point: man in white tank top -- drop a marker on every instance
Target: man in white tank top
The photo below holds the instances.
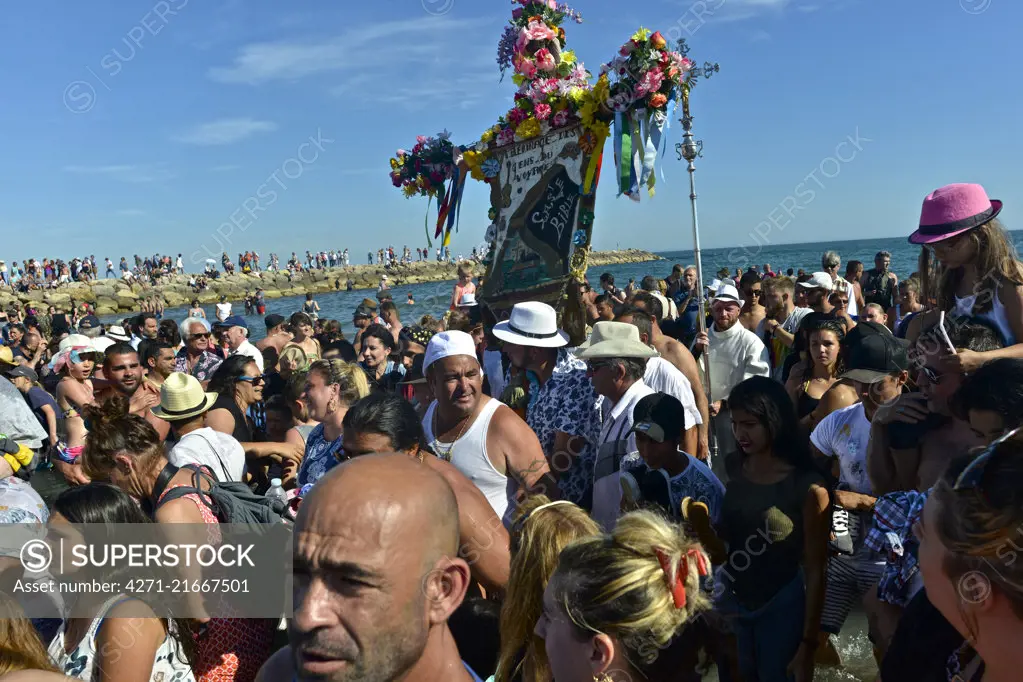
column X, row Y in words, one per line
column 483, row 438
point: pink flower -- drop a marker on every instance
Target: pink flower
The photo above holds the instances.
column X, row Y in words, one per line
column 402, row 152
column 553, row 4
column 524, row 66
column 560, row 118
column 651, row 81
column 545, row 60
column 537, row 30
column 421, row 139
column 506, row 136
column 542, row 111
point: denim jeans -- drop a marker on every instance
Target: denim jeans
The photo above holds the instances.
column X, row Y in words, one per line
column 768, row 637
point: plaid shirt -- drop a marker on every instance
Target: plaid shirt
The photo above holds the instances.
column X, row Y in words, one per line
column 892, row 534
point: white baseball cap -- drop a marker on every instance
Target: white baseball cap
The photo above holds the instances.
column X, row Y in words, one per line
column 447, row 344
column 819, row 280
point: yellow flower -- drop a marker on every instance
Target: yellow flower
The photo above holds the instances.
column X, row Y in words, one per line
column 477, row 173
column 518, row 79
column 487, row 136
column 588, row 111
column 471, row 157
column 409, row 190
column 394, row 164
column 641, row 35
column 602, row 89
column 568, row 57
column 576, row 95
column 528, row 128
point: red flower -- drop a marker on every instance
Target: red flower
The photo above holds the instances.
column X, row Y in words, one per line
column 657, row 100
column 657, row 41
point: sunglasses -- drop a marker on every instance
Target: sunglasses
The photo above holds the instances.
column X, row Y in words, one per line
column 204, row 335
column 252, row 380
column 972, row 475
column 931, row 374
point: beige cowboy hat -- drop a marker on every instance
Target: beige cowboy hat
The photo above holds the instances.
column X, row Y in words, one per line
column 182, row 397
column 614, row 340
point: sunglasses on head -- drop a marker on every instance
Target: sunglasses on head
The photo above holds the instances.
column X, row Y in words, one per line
column 972, row 475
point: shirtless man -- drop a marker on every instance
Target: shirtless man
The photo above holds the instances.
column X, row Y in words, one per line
column 123, row 372
column 277, row 334
column 753, row 310
column 677, row 354
column 479, row 435
column 374, row 586
column 913, row 438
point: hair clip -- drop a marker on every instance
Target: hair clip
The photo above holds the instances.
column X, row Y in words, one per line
column 673, row 576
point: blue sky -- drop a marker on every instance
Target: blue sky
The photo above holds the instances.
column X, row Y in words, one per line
column 139, row 126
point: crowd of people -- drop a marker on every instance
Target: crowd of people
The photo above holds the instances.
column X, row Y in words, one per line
column 664, row 494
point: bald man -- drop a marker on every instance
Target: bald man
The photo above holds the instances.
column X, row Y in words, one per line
column 377, row 576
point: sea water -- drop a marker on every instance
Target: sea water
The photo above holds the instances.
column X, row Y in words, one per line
column 434, row 298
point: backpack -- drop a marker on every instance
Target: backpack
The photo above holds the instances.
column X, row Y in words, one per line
column 230, row 501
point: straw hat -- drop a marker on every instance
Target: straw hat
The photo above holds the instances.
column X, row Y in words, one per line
column 614, row 340
column 182, row 397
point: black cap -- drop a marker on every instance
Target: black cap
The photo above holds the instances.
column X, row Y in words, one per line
column 89, row 322
column 272, row 320
column 660, row 417
column 363, row 311
column 22, row 371
column 874, row 354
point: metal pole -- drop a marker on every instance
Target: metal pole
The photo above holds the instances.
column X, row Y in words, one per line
column 691, row 150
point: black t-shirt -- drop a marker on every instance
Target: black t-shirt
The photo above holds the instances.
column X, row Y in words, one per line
column 921, row 645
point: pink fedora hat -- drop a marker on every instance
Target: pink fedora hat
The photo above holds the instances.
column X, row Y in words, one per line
column 953, row 209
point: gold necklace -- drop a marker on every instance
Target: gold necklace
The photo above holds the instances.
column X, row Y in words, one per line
column 446, row 454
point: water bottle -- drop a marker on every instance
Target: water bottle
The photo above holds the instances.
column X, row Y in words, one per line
column 276, row 491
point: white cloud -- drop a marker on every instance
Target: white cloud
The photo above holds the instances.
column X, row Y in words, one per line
column 421, row 40
column 135, row 173
column 225, row 131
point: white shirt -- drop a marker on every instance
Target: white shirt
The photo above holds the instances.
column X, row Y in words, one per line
column 845, row 434
column 246, row 348
column 223, row 311
column 735, row 355
column 664, row 377
column 219, row 451
column 615, row 433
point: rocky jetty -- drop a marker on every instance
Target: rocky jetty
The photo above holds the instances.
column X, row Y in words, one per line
column 110, row 296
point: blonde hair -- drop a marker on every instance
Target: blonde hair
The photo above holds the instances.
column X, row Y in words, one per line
column 996, row 264
column 465, row 269
column 614, row 584
column 347, row 375
column 20, row 648
column 537, row 538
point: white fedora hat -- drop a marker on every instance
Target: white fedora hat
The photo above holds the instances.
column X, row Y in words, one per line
column 532, row 324
column 819, row 280
column 727, row 293
column 182, row 397
column 117, row 333
column 614, row 340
